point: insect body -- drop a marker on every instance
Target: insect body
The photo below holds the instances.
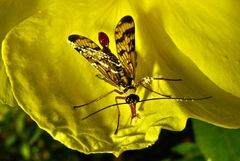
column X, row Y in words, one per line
column 118, row 71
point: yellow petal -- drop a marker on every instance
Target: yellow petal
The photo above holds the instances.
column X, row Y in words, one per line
column 205, row 35
column 11, row 13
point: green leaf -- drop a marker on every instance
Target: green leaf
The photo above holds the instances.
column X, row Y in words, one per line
column 25, row 151
column 10, row 140
column 20, row 123
column 217, row 144
column 36, row 136
column 3, row 110
column 185, row 148
column 189, row 152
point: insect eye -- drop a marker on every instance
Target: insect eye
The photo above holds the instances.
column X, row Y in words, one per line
column 103, row 39
column 132, row 98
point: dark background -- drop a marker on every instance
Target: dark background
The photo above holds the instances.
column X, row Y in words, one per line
column 21, row 140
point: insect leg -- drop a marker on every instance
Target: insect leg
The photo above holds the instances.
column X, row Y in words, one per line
column 105, row 79
column 97, row 99
column 166, row 79
column 148, row 87
column 146, row 83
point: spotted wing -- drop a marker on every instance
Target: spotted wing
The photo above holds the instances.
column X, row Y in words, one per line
column 125, row 44
column 104, row 61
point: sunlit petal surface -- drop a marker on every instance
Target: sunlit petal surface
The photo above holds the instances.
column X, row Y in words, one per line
column 13, row 12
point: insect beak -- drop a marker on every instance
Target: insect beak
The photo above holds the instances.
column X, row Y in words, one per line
column 133, row 111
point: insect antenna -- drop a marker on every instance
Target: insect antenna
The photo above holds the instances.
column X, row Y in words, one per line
column 150, row 99
column 176, row 98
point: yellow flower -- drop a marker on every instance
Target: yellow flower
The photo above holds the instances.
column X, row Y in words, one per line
column 194, row 41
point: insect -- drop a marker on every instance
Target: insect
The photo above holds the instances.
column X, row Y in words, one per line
column 118, row 71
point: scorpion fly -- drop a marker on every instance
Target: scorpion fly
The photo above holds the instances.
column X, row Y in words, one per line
column 118, row 71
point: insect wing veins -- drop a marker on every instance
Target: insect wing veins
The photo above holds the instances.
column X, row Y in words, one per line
column 103, row 60
column 125, row 44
